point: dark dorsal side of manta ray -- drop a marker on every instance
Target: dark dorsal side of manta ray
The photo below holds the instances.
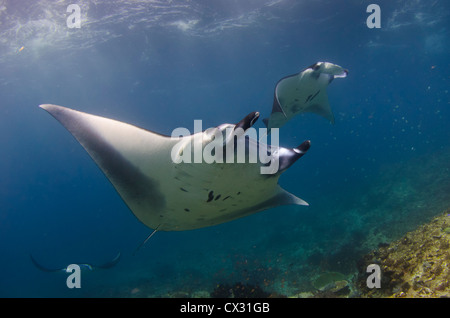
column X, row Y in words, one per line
column 304, row 92
column 90, row 267
column 170, row 196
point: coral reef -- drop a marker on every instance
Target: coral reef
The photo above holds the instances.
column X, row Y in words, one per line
column 239, row 290
column 416, row 265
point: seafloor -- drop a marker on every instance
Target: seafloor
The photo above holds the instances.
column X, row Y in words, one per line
column 416, row 265
column 399, row 220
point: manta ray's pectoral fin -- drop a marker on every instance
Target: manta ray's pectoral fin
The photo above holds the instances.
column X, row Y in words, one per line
column 276, row 106
column 109, row 264
column 286, row 198
column 277, row 111
column 43, row 268
column 320, row 106
column 122, row 152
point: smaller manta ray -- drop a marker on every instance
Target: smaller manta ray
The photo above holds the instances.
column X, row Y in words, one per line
column 89, row 267
column 304, row 92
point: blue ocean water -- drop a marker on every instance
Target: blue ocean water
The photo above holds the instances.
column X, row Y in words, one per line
column 379, row 171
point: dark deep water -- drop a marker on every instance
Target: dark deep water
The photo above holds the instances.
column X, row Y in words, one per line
column 380, row 171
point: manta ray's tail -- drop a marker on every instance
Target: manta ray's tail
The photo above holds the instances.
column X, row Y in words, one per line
column 145, row 241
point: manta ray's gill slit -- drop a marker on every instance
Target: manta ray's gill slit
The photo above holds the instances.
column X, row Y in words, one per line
column 227, row 197
column 217, row 197
column 314, row 95
column 184, row 190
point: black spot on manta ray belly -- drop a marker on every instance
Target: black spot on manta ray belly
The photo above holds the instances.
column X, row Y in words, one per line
column 210, row 196
column 187, row 210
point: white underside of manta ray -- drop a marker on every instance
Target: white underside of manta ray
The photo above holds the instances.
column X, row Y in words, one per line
column 170, row 196
column 304, row 92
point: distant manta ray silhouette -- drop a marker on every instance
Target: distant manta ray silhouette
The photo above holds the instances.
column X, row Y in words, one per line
column 89, row 267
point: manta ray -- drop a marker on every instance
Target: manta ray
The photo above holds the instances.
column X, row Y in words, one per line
column 304, row 92
column 86, row 266
column 169, row 194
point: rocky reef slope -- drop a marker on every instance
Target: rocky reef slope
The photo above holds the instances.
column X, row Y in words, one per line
column 416, row 265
